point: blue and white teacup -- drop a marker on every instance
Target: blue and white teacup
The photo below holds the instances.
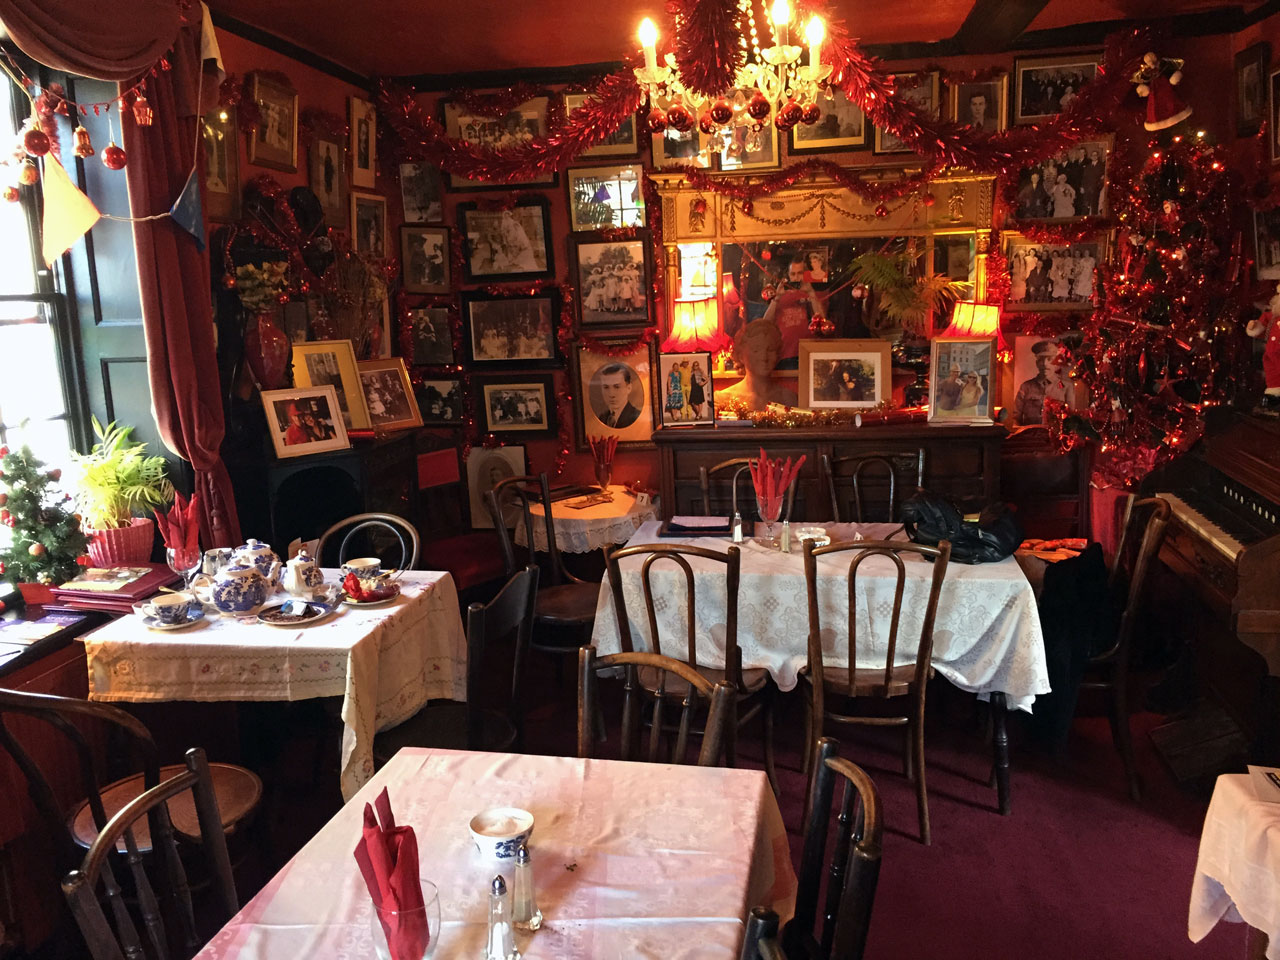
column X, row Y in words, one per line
column 365, row 568
column 168, row 608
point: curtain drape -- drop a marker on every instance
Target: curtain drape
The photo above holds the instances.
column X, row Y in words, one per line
column 102, row 39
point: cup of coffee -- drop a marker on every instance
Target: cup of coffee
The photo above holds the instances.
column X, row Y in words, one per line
column 168, row 608
column 365, row 568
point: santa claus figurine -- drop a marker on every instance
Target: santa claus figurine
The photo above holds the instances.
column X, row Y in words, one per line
column 1267, row 327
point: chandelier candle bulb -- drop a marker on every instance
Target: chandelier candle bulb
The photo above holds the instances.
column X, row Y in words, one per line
column 813, row 35
column 781, row 16
column 649, row 40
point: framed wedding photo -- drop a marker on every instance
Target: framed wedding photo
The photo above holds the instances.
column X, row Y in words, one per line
column 524, row 122
column 364, row 143
column 686, row 389
column 422, row 193
column 842, row 126
column 622, row 142
column 683, row 149
column 304, row 420
column 511, row 244
column 602, row 197
column 432, row 332
column 921, row 89
column 1052, row 276
column 388, row 394
column 332, row 363
column 275, row 143
column 613, row 278
column 614, row 395
column 511, row 331
column 1045, row 86
column 222, row 164
column 369, row 224
column 424, row 258
column 486, row 468
column 844, row 374
column 517, row 405
column 1251, row 88
column 961, row 379
column 441, row 403
column 981, row 105
column 1069, row 186
column 327, row 163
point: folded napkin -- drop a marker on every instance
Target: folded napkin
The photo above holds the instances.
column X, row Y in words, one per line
column 388, row 859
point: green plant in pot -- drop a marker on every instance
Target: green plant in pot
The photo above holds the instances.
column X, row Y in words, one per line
column 114, row 483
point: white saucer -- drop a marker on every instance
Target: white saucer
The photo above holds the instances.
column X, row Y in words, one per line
column 195, row 613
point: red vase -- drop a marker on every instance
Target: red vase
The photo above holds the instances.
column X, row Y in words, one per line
column 266, row 349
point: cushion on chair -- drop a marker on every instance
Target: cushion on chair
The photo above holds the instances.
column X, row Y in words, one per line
column 567, row 605
column 753, row 679
column 471, row 558
column 870, row 682
column 443, row 724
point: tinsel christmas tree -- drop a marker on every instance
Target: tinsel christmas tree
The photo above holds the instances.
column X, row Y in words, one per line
column 44, row 540
column 1167, row 339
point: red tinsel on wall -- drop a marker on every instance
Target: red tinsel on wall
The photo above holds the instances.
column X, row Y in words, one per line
column 497, row 105
column 707, row 48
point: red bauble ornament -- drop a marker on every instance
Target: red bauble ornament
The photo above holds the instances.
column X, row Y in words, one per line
column 747, row 206
column 84, row 147
column 784, row 120
column 657, row 120
column 55, row 474
column 28, row 173
column 706, row 124
column 721, row 111
column 36, row 549
column 758, row 107
column 928, row 199
column 812, row 114
column 700, row 206
column 36, row 142
column 11, row 193
column 113, row 157
column 679, row 118
column 882, row 211
column 142, row 112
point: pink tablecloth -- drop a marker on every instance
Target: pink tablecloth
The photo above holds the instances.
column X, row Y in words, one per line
column 666, row 861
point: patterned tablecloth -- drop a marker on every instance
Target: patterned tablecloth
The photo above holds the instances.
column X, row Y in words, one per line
column 591, row 528
column 385, row 662
column 630, row 860
column 986, row 637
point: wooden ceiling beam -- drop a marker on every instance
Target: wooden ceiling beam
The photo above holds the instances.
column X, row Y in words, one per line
column 993, row 26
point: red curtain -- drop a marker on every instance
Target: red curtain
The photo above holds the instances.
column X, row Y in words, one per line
column 173, row 274
column 103, row 39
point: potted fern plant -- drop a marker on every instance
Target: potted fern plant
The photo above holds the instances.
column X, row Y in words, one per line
column 114, row 483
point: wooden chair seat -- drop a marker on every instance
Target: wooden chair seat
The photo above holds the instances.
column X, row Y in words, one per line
column 753, row 680
column 870, row 683
column 443, row 725
column 567, row 605
column 238, row 791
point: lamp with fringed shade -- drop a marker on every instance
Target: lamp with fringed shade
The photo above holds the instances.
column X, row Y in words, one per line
column 970, row 319
column 695, row 326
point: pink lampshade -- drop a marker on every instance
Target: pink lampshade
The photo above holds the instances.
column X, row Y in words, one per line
column 970, row 319
column 695, row 325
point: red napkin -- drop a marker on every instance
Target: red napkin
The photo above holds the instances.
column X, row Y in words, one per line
column 181, row 528
column 388, row 858
column 771, row 479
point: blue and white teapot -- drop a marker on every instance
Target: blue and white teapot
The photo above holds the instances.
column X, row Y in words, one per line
column 238, row 590
column 258, row 554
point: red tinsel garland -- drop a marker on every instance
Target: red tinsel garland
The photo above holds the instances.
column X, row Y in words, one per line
column 496, row 105
column 707, row 48
column 314, row 122
column 752, row 188
column 233, row 92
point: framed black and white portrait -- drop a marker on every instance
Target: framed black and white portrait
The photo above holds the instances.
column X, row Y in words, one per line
column 486, row 468
column 422, row 193
column 673, row 148
column 1266, row 243
column 842, row 126
column 275, row 143
column 369, row 224
column 511, row 331
column 509, row 244
column 520, row 125
column 613, row 279
column 1052, row 276
column 921, row 89
column 388, row 394
column 981, row 105
column 364, row 142
column 432, row 332
column 1045, row 86
column 441, row 402
column 424, row 257
column 615, row 395
column 327, row 161
column 622, row 142
column 1068, row 186
column 518, row 405
column 1251, row 88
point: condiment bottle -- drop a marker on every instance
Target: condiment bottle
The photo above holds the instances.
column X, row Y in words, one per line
column 737, row 527
column 501, row 943
column 785, row 544
column 525, row 910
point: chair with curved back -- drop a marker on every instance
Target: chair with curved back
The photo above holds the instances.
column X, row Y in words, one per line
column 739, row 466
column 400, row 528
column 833, row 472
column 848, row 683
column 665, row 670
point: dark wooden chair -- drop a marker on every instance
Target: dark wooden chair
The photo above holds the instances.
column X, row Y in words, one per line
column 754, row 693
column 852, row 872
column 837, row 469
column 675, row 680
column 470, row 726
column 166, row 908
column 472, row 557
column 847, row 684
column 737, row 468
column 1142, row 532
column 386, row 523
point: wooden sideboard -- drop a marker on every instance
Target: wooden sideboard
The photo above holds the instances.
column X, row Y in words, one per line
column 961, row 463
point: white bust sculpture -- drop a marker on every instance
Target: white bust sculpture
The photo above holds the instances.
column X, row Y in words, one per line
column 755, row 352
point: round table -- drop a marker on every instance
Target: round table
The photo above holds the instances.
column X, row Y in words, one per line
column 590, row 528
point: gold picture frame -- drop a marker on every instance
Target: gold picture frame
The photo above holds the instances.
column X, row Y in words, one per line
column 318, row 363
column 388, row 394
column 844, row 374
column 295, row 416
column 962, row 380
column 275, row 143
column 991, row 115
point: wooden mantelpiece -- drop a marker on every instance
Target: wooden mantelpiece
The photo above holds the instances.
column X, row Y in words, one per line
column 961, row 463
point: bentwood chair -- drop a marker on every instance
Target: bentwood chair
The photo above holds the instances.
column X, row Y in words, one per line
column 674, row 680
column 446, row 724
column 1142, row 533
column 852, row 872
column 847, row 684
column 384, row 526
column 835, row 470
column 166, row 909
column 711, row 482
column 754, row 693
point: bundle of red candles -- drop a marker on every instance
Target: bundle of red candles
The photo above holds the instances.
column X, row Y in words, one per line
column 181, row 527
column 603, row 448
column 772, row 478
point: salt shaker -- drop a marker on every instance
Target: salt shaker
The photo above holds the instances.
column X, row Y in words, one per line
column 501, row 944
column 737, row 527
column 785, row 543
column 525, row 910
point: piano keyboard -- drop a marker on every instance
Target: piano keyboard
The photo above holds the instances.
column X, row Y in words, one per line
column 1194, row 520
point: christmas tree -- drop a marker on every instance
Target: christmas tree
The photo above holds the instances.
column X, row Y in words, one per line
column 44, row 538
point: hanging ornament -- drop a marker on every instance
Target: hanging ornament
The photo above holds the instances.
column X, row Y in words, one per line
column 747, row 207
column 679, row 118
column 36, row 549
column 84, row 146
column 35, row 142
column 11, row 193
column 928, row 199
column 657, row 120
column 789, row 114
column 142, row 112
column 882, row 211
column 721, row 111
column 758, row 107
column 1155, row 81
column 28, row 173
column 812, row 114
column 705, row 123
column 113, row 156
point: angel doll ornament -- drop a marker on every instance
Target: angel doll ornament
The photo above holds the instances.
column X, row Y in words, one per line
column 1267, row 328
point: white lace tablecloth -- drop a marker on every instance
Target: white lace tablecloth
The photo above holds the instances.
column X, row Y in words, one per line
column 630, row 860
column 385, row 662
column 591, row 528
column 1238, row 869
column 986, row 636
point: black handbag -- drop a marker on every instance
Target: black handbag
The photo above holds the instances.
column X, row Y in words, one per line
column 929, row 519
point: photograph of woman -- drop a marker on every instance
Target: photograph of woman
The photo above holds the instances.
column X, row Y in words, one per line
column 687, row 386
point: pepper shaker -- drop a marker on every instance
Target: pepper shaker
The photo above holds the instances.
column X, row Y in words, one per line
column 785, row 544
column 501, row 942
column 525, row 910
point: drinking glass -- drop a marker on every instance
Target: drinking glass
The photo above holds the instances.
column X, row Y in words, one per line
column 415, row 930
column 185, row 562
column 604, row 475
column 770, row 511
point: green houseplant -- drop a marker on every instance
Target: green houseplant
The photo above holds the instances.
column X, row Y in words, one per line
column 114, row 482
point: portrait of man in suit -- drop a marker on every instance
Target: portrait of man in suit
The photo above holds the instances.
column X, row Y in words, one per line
column 614, row 383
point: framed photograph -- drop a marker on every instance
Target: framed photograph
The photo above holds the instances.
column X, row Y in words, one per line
column 369, row 224
column 364, row 142
column 1273, row 108
column 1266, row 243
column 520, row 125
column 623, row 142
column 422, row 193
column 1044, row 86
column 304, row 420
column 486, row 468
column 441, row 403
column 612, row 280
column 962, row 375
column 511, row 331
column 1052, row 276
column 327, row 161
column 615, row 395
column 844, row 374
column 1042, row 371
column 1251, row 88
column 751, row 150
column 332, row 363
column 512, row 244
column 1066, row 187
column 982, row 106
column 517, row 404
column 601, row 197
column 432, row 336
column 222, row 164
column 686, row 388
column 921, row 89
column 275, row 143
column 424, row 258
column 691, row 148
column 842, row 126
column 388, row 394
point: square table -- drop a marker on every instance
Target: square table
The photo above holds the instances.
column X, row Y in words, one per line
column 630, row 860
column 385, row 662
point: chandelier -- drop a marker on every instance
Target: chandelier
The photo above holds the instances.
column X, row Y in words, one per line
column 772, row 85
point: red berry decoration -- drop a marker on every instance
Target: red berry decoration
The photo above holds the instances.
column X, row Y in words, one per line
column 113, row 157
column 812, row 114
column 36, row 142
column 11, row 193
column 721, row 111
column 28, row 173
column 758, row 107
column 679, row 118
column 882, row 211
column 706, row 124
column 657, row 120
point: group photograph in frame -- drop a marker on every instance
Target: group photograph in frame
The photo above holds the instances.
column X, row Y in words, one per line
column 513, row 244
column 962, row 377
column 604, row 197
column 303, row 420
column 388, row 394
column 518, row 404
column 922, row 90
column 364, row 142
column 523, row 123
column 222, row 164
column 432, row 331
column 275, row 143
column 369, row 224
column 614, row 395
column 486, row 468
column 327, row 164
column 320, row 363
column 749, row 149
column 842, row 126
column 844, row 374
column 1068, row 186
column 421, row 193
column 1251, row 66
column 622, row 142
column 687, row 148
column 1045, row 86
column 424, row 258
column 981, row 105
column 612, row 278
column 441, row 403
column 519, row 331
column 1042, row 371
column 1052, row 276
column 686, row 388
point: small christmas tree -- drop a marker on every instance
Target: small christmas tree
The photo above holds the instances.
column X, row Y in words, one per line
column 44, row 537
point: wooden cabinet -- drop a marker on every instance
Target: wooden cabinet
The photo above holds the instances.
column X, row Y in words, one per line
column 1049, row 488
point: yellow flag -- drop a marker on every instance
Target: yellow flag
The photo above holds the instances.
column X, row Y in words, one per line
column 68, row 213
